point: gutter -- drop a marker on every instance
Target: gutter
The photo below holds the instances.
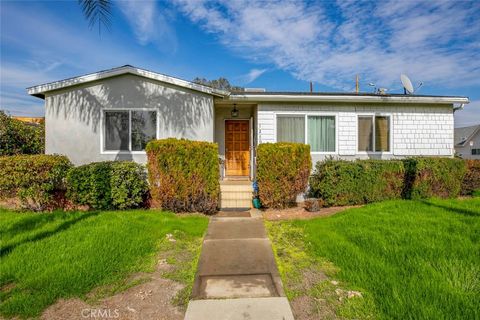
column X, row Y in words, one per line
column 343, row 98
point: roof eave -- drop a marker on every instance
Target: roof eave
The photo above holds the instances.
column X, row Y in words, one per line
column 343, row 98
column 40, row 90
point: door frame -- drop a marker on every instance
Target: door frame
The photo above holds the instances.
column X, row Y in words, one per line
column 250, row 147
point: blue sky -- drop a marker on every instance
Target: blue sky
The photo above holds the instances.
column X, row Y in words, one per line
column 278, row 45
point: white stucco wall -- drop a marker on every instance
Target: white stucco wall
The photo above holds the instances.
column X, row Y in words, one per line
column 417, row 130
column 74, row 116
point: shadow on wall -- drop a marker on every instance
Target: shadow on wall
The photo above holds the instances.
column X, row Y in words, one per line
column 182, row 111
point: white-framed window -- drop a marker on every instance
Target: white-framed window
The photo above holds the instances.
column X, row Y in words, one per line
column 374, row 133
column 317, row 130
column 128, row 130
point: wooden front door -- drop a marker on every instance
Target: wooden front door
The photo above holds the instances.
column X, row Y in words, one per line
column 237, row 148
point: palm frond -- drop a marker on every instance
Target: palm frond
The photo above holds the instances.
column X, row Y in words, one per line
column 97, row 11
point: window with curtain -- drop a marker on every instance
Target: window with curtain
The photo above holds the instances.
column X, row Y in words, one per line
column 382, row 133
column 365, row 133
column 291, row 128
column 374, row 133
column 129, row 130
column 321, row 133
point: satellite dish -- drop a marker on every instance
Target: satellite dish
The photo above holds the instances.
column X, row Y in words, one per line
column 407, row 84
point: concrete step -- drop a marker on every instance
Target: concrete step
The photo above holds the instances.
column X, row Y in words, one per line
column 237, row 286
column 236, row 187
column 236, row 195
column 272, row 308
column 225, row 204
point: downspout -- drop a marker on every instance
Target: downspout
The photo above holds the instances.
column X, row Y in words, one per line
column 460, row 107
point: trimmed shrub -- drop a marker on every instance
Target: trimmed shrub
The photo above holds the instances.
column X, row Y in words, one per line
column 471, row 180
column 108, row 185
column 341, row 182
column 282, row 172
column 34, row 179
column 184, row 175
column 433, row 177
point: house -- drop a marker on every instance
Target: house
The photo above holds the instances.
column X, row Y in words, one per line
column 30, row 120
column 467, row 142
column 112, row 114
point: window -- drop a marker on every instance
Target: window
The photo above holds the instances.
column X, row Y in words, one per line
column 374, row 133
column 291, row 128
column 475, row 152
column 316, row 130
column 321, row 133
column 129, row 130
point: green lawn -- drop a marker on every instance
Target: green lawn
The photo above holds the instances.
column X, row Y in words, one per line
column 47, row 256
column 410, row 259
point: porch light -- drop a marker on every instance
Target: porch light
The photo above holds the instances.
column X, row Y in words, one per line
column 234, row 111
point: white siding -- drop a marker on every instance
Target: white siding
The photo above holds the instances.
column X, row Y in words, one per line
column 424, row 130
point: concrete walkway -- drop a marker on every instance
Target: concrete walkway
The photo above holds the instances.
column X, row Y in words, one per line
column 237, row 277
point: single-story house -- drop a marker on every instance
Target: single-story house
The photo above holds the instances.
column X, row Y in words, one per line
column 112, row 114
column 467, row 142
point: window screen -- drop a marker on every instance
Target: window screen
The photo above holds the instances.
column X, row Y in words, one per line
column 116, row 130
column 291, row 129
column 321, row 133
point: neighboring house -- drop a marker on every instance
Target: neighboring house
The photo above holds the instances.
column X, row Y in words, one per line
column 467, row 142
column 112, row 114
column 30, row 120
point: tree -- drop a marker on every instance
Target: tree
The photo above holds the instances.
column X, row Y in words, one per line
column 97, row 11
column 220, row 83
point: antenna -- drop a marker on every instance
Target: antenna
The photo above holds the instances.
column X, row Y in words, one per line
column 419, row 86
column 407, row 84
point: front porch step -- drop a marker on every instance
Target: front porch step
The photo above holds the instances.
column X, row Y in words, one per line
column 235, row 194
column 232, row 204
column 236, row 187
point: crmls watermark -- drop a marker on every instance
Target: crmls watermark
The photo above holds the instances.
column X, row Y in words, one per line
column 100, row 313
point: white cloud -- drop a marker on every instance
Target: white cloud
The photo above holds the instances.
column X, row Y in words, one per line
column 252, row 75
column 435, row 42
column 149, row 24
column 469, row 116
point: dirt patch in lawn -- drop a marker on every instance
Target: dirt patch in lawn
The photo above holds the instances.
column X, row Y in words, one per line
column 300, row 213
column 152, row 299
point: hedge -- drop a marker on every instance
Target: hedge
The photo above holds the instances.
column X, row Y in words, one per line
column 34, row 179
column 471, row 180
column 282, row 172
column 184, row 175
column 18, row 137
column 341, row 182
column 108, row 185
column 433, row 177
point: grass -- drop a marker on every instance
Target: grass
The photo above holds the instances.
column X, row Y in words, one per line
column 409, row 259
column 47, row 256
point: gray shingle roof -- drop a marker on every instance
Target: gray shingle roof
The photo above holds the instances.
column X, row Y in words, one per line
column 463, row 135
